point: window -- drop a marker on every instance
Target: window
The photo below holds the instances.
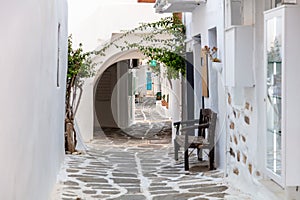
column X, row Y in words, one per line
column 239, row 12
column 269, row 4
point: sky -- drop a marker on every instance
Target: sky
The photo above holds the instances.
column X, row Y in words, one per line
column 93, row 21
column 80, row 9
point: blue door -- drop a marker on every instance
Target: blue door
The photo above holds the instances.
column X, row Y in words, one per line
column 149, row 81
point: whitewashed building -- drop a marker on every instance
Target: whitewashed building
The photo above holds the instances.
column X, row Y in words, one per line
column 254, row 91
column 113, row 69
column 33, row 63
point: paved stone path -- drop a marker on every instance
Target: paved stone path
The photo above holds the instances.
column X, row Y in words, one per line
column 121, row 166
column 149, row 124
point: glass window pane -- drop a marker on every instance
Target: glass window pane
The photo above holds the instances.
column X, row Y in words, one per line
column 274, row 52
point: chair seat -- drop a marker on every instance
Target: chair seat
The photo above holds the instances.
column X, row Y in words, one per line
column 206, row 139
column 193, row 141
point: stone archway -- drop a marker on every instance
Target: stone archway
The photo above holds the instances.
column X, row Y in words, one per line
column 103, row 93
column 114, row 97
column 86, row 117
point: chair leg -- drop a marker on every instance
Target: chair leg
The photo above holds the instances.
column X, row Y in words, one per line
column 186, row 160
column 199, row 154
column 211, row 159
column 176, row 149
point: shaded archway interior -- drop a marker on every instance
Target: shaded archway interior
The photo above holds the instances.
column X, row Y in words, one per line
column 107, row 77
column 103, row 101
column 114, row 98
column 117, row 108
column 117, row 112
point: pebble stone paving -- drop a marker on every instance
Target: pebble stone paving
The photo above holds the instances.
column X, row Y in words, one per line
column 138, row 164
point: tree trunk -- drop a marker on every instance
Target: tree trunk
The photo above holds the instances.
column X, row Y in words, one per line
column 78, row 101
column 70, row 138
column 70, row 133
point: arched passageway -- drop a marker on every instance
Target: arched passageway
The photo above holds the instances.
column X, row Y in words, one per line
column 125, row 94
column 103, row 94
column 114, row 98
column 93, row 112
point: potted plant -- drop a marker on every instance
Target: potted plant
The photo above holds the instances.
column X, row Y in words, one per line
column 158, row 96
column 163, row 101
column 167, row 102
column 212, row 54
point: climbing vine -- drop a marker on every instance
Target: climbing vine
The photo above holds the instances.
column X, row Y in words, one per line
column 79, row 67
column 162, row 41
column 165, row 40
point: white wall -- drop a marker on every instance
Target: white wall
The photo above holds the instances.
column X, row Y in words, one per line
column 141, row 80
column 95, row 23
column 175, row 104
column 246, row 138
column 32, row 107
column 202, row 19
column 165, row 89
column 120, row 96
column 231, row 118
column 259, row 77
column 85, row 113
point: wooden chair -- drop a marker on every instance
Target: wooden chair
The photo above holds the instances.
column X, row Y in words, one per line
column 185, row 137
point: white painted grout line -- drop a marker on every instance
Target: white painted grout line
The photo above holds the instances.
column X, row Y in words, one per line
column 144, row 115
column 109, row 177
column 145, row 182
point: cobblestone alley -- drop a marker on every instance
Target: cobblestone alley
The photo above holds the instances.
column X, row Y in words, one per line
column 138, row 163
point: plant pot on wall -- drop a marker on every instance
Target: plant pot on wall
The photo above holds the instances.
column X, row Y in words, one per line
column 165, row 103
column 218, row 66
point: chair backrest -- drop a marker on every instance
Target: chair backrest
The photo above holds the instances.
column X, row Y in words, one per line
column 205, row 117
column 212, row 129
column 208, row 116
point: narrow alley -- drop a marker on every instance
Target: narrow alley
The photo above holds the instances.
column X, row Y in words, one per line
column 138, row 163
column 91, row 91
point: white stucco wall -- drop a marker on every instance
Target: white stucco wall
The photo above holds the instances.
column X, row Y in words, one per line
column 175, row 104
column 259, row 78
column 241, row 106
column 85, row 114
column 120, row 96
column 91, row 27
column 141, row 80
column 241, row 137
column 32, row 106
column 200, row 21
